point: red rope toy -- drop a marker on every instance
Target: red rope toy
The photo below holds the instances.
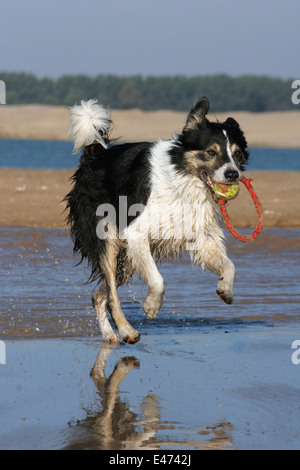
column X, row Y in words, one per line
column 232, row 230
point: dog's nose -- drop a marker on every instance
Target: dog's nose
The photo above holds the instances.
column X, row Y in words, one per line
column 231, row 175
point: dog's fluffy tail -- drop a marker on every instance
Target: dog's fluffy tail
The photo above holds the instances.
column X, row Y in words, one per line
column 90, row 123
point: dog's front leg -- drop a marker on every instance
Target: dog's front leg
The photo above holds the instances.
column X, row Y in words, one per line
column 225, row 285
column 142, row 261
column 213, row 256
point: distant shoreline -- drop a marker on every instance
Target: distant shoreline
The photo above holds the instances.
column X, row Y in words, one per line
column 45, row 122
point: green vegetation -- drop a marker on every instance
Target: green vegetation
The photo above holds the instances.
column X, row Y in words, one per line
column 248, row 93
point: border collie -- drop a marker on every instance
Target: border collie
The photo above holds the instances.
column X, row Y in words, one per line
column 134, row 204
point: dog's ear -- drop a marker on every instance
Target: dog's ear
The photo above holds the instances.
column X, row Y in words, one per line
column 234, row 128
column 232, row 123
column 197, row 115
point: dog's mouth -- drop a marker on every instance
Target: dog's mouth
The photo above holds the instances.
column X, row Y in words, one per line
column 209, row 182
column 220, row 190
column 207, row 179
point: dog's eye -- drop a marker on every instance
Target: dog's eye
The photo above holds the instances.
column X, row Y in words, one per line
column 238, row 154
column 211, row 152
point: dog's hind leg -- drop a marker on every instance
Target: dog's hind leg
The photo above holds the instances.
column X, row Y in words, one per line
column 109, row 267
column 215, row 259
column 99, row 302
column 140, row 256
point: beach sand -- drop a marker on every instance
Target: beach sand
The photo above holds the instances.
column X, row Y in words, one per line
column 272, row 129
column 33, row 198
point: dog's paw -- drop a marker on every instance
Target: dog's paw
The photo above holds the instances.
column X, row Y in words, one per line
column 225, row 295
column 129, row 335
column 152, row 306
column 110, row 338
column 129, row 363
column 150, row 311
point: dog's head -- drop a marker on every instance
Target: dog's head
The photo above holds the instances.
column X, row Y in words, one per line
column 212, row 151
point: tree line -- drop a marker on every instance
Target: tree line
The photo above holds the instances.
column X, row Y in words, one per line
column 179, row 93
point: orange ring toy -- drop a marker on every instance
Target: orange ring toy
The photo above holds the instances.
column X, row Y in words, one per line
column 258, row 207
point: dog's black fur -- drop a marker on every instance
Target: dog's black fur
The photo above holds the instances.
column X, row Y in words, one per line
column 203, row 151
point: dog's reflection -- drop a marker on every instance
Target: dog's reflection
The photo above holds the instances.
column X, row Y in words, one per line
column 115, row 427
column 117, row 423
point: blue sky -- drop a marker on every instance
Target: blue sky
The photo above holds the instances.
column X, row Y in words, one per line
column 156, row 37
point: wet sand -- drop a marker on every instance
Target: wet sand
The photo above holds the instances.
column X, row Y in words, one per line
column 186, row 392
column 44, row 294
column 204, row 375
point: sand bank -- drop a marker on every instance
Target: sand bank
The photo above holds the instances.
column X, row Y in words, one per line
column 272, row 129
column 33, row 198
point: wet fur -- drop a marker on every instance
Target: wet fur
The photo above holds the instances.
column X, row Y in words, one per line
column 166, row 174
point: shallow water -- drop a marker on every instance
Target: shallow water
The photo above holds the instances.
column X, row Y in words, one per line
column 49, row 154
column 193, row 391
column 204, row 375
column 44, row 293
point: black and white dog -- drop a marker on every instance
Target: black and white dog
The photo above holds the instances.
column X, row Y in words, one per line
column 136, row 203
